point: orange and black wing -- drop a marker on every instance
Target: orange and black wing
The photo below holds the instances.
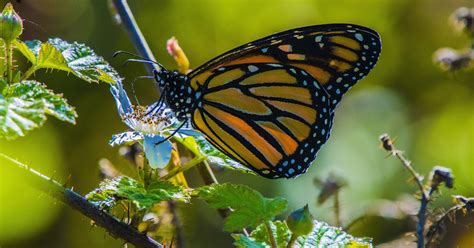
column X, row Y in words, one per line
column 269, row 104
column 336, row 55
column 272, row 118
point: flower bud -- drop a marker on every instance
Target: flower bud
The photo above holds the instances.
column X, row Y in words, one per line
column 300, row 221
column 178, row 54
column 11, row 25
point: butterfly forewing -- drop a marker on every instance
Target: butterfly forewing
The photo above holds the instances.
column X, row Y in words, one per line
column 336, row 55
column 271, row 117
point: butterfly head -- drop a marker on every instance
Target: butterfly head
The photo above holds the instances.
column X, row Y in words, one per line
column 178, row 94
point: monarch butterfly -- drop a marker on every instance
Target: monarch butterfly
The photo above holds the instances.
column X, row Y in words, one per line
column 269, row 104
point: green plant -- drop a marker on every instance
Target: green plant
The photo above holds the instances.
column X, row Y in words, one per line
column 24, row 102
column 159, row 182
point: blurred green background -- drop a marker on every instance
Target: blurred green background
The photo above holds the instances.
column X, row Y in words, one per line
column 430, row 112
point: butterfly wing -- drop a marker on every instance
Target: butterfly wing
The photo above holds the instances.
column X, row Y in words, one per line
column 269, row 103
column 273, row 118
column 336, row 55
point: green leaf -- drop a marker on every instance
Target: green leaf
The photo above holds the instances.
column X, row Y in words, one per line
column 18, row 116
column 250, row 207
column 242, row 241
column 279, row 229
column 85, row 63
column 111, row 191
column 28, row 49
column 24, row 106
column 324, row 235
column 54, row 104
column 74, row 58
column 50, row 57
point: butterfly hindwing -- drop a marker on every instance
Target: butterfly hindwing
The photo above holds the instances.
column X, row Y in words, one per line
column 336, row 55
column 272, row 118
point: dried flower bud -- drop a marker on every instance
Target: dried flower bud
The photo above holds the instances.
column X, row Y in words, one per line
column 467, row 203
column 178, row 54
column 11, row 25
column 387, row 143
column 452, row 60
column 463, row 20
column 329, row 187
column 300, row 221
column 440, row 175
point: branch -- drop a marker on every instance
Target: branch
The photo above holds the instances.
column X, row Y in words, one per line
column 128, row 21
column 114, row 227
column 389, row 146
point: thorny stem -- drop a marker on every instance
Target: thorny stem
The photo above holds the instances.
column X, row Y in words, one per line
column 9, row 61
column 425, row 196
column 270, row 234
column 420, row 227
column 407, row 164
column 115, row 227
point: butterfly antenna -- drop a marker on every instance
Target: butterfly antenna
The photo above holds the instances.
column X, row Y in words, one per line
column 117, row 53
column 138, row 58
column 128, row 61
column 172, row 134
column 133, row 85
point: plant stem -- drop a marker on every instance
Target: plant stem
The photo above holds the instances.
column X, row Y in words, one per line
column 420, row 227
column 292, row 241
column 29, row 72
column 407, row 164
column 195, row 161
column 271, row 237
column 128, row 21
column 425, row 196
column 113, row 226
column 337, row 210
column 9, row 58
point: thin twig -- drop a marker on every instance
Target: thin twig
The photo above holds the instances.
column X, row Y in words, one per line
column 128, row 21
column 425, row 197
column 115, row 227
column 407, row 164
column 337, row 209
column 464, row 204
